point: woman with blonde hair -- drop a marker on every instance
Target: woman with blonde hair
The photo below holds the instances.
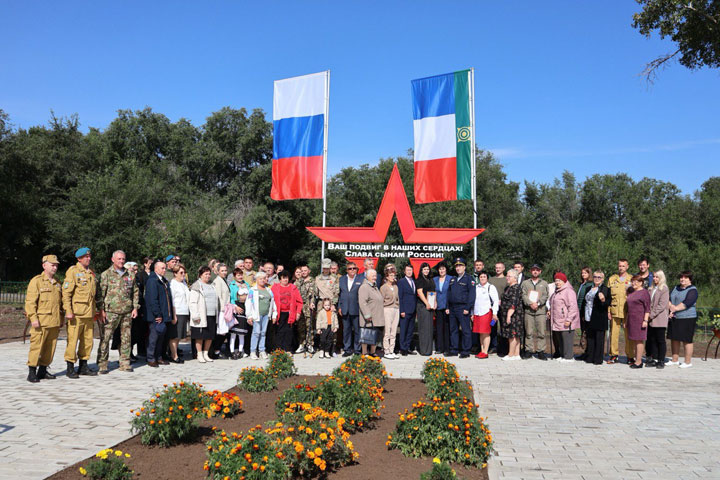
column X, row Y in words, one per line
column 656, row 346
column 391, row 306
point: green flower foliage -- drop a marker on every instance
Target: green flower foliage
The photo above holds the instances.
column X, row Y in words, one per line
column 282, row 364
column 253, row 456
column 257, row 379
column 171, row 414
column 108, row 464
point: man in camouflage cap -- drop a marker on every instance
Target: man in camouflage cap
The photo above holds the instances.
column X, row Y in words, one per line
column 327, row 285
column 305, row 331
column 78, row 294
column 118, row 300
column 43, row 307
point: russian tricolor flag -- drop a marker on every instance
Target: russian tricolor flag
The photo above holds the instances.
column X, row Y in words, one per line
column 299, row 107
column 443, row 133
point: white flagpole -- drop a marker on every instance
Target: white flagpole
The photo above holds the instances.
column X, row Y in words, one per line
column 325, row 155
column 472, row 155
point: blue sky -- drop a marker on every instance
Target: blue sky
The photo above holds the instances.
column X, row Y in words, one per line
column 557, row 85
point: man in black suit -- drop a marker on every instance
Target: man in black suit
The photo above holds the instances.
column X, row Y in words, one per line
column 408, row 299
column 159, row 312
column 349, row 310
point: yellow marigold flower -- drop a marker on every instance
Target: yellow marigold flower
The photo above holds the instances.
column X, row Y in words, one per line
column 127, row 455
column 436, row 460
column 118, row 453
column 83, row 472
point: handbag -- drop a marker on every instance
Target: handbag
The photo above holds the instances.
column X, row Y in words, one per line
column 368, row 335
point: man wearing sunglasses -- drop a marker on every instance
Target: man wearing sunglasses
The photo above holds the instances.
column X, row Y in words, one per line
column 349, row 310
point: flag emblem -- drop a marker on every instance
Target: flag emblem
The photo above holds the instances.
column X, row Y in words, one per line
column 463, row 134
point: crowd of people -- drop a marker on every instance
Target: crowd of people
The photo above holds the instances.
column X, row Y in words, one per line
column 235, row 312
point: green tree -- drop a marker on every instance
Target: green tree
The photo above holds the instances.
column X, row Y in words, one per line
column 694, row 26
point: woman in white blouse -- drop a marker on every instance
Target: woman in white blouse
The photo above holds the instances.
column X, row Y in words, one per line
column 181, row 298
column 485, row 311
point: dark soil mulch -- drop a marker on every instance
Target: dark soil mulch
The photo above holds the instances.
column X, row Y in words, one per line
column 186, row 461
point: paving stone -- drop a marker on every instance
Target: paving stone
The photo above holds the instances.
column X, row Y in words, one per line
column 549, row 420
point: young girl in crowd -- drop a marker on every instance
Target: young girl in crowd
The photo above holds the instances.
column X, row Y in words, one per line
column 238, row 295
column 327, row 325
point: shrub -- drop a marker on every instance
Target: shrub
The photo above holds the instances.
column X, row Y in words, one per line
column 170, row 415
column 434, row 367
column 108, row 464
column 364, row 365
column 256, row 379
column 452, row 389
column 357, row 399
column 282, row 364
column 448, row 430
column 439, row 471
column 223, row 404
column 313, row 440
column 443, row 381
column 254, row 456
column 301, row 392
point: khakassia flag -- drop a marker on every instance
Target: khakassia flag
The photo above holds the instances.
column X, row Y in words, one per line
column 441, row 122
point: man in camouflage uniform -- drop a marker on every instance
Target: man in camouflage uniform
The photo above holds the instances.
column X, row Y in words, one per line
column 248, row 272
column 78, row 295
column 118, row 300
column 327, row 285
column 43, row 307
column 335, row 270
column 305, row 325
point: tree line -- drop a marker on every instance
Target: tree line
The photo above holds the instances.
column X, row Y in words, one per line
column 151, row 187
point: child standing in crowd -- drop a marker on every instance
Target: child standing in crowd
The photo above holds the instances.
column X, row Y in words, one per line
column 240, row 328
column 238, row 295
column 327, row 325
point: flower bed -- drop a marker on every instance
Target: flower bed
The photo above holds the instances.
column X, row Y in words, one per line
column 258, row 434
column 448, row 426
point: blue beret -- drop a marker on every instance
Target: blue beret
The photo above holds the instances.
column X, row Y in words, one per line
column 169, row 257
column 82, row 251
column 459, row 261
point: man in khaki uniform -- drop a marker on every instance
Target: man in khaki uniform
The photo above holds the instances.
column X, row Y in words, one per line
column 305, row 330
column 334, row 268
column 618, row 285
column 119, row 301
column 249, row 273
column 535, row 296
column 78, row 293
column 327, row 286
column 43, row 305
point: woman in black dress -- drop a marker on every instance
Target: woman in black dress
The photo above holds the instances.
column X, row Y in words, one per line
column 425, row 286
column 511, row 323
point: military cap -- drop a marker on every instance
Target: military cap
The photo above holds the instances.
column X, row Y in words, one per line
column 50, row 259
column 82, row 252
column 534, row 266
column 459, row 261
column 169, row 257
column 326, row 263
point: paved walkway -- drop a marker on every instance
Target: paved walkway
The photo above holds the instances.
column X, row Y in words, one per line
column 549, row 420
